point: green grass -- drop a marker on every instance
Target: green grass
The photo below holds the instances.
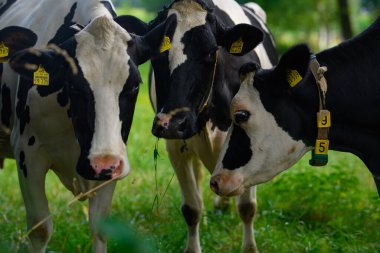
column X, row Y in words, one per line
column 331, row 209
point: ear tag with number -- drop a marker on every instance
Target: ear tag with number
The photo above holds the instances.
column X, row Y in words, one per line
column 293, row 77
column 166, row 44
column 324, row 119
column 4, row 52
column 321, row 147
column 237, row 46
column 41, row 77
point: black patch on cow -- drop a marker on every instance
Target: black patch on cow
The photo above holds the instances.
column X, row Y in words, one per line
column 65, row 32
column 69, row 113
column 239, row 150
column 6, row 110
column 127, row 100
column 192, row 216
column 6, row 6
column 31, row 141
column 63, row 98
column 108, row 6
column 22, row 111
column 21, row 164
column 82, row 110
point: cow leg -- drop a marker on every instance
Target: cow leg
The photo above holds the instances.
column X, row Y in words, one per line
column 246, row 204
column 188, row 178
column 100, row 205
column 37, row 209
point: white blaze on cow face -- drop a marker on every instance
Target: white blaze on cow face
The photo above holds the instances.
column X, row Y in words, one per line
column 189, row 15
column 273, row 150
column 102, row 56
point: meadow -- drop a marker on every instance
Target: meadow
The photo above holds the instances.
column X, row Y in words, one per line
column 331, row 209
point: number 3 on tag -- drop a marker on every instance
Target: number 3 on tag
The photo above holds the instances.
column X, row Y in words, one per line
column 321, row 147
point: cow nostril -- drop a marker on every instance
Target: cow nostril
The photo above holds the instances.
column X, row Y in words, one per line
column 214, row 185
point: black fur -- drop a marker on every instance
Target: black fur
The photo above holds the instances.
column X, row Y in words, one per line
column 239, row 150
column 352, row 97
column 6, row 110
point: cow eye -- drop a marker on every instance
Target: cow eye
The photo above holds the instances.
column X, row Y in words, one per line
column 241, row 116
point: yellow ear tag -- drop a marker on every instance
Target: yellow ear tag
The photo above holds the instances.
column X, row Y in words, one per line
column 293, row 77
column 237, row 46
column 166, row 44
column 4, row 52
column 41, row 77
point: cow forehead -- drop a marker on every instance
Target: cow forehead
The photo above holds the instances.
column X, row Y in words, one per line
column 102, row 54
column 189, row 15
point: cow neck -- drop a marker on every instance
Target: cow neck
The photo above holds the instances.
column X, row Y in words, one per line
column 319, row 156
column 210, row 87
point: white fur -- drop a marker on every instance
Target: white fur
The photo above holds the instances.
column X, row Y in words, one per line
column 102, row 45
column 273, row 149
column 189, row 15
column 49, row 123
column 258, row 10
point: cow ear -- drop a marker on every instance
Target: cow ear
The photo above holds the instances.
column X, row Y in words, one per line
column 14, row 39
column 239, row 39
column 28, row 61
column 142, row 48
column 293, row 65
column 132, row 24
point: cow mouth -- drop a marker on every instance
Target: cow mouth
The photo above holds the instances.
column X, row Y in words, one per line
column 113, row 172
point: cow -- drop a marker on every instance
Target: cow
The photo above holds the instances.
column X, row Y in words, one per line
column 275, row 112
column 203, row 45
column 68, row 106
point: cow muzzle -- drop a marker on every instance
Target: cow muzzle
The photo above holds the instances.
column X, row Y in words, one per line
column 108, row 166
column 181, row 125
column 227, row 184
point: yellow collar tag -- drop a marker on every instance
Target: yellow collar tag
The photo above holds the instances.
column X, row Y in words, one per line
column 323, row 119
column 166, row 44
column 41, row 77
column 237, row 46
column 293, row 77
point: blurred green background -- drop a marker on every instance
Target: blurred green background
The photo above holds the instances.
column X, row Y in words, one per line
column 321, row 23
column 318, row 210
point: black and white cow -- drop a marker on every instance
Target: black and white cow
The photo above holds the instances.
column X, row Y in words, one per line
column 276, row 124
column 196, row 76
column 77, row 122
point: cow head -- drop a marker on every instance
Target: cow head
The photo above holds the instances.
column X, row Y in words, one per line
column 186, row 64
column 269, row 126
column 14, row 39
column 97, row 68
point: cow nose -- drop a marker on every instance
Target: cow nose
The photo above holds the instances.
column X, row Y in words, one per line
column 214, row 184
column 168, row 127
column 107, row 166
column 227, row 184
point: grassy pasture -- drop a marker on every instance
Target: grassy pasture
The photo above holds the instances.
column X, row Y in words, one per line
column 332, row 209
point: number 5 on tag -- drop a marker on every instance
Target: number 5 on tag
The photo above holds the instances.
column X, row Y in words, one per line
column 321, row 147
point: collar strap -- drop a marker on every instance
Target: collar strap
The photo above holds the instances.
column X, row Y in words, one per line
column 319, row 156
column 211, row 86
